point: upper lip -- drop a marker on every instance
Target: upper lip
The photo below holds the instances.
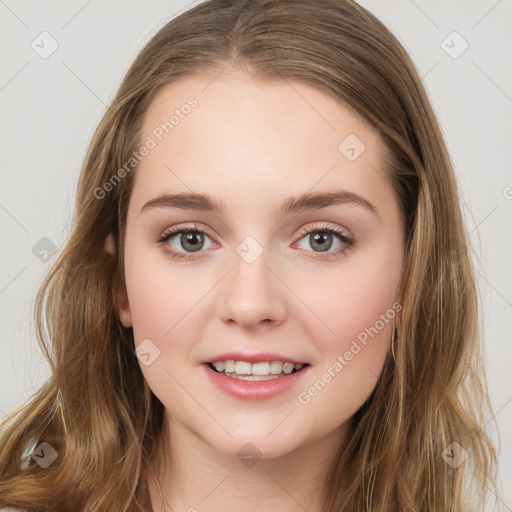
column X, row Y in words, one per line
column 253, row 358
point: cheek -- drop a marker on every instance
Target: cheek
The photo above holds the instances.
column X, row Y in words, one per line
column 159, row 307
column 356, row 310
column 166, row 305
column 153, row 294
column 351, row 359
column 360, row 322
column 348, row 302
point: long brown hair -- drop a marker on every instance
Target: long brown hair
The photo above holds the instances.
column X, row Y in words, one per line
column 97, row 412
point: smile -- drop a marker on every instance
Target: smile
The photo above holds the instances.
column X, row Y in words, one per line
column 255, row 381
column 264, row 370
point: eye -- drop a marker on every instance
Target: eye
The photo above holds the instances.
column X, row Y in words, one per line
column 191, row 239
column 322, row 238
column 181, row 242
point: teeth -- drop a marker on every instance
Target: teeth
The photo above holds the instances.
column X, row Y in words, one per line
column 288, row 367
column 276, row 367
column 256, row 369
column 252, row 377
column 229, row 366
column 242, row 368
column 219, row 366
column 260, row 369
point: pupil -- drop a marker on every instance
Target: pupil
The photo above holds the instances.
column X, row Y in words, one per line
column 194, row 239
column 320, row 236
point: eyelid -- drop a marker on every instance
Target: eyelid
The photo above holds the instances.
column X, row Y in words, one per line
column 180, row 228
column 323, row 226
column 163, row 239
column 343, row 235
column 193, row 226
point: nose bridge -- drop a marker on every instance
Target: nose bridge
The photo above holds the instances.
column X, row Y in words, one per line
column 251, row 293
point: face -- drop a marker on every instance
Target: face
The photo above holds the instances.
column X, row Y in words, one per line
column 304, row 280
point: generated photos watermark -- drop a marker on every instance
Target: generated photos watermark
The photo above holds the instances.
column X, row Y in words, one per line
column 157, row 135
column 305, row 397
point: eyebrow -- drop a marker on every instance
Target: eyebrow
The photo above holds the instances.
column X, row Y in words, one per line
column 293, row 204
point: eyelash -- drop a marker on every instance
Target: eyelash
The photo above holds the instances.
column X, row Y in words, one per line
column 348, row 241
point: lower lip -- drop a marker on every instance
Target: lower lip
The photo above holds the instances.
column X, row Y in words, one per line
column 254, row 389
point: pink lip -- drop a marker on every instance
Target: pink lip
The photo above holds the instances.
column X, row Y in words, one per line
column 252, row 358
column 252, row 389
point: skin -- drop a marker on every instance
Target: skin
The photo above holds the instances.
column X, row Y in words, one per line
column 253, row 144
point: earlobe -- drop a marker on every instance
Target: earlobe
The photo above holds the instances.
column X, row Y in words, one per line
column 125, row 316
column 110, row 244
column 123, row 306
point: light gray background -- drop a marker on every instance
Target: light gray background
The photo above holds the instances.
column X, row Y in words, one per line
column 51, row 106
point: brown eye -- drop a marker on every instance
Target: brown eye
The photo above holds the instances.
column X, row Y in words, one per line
column 192, row 241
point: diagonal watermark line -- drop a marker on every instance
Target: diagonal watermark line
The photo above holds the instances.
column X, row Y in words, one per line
column 13, row 279
column 492, row 81
column 484, row 218
column 3, row 3
column 167, row 505
column 216, row 76
column 15, row 75
column 198, row 301
column 14, row 218
column 377, row 171
column 373, row 373
column 485, row 15
column 185, row 8
column 424, row 13
column 492, row 491
column 85, row 85
column 217, row 485
column 334, row 334
column 286, row 491
column 488, row 282
column 76, row 14
column 68, row 224
column 280, row 423
column 199, row 403
column 425, row 75
column 10, row 419
column 286, row 80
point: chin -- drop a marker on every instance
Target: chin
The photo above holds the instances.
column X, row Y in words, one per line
column 261, row 445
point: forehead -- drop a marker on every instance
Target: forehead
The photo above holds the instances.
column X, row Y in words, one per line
column 232, row 134
column 253, row 105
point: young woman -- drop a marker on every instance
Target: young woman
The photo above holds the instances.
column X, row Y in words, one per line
column 267, row 300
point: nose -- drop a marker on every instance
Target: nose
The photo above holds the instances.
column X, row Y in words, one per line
column 251, row 295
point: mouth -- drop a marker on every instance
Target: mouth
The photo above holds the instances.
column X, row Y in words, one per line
column 261, row 371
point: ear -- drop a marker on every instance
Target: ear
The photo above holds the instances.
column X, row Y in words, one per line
column 122, row 303
column 110, row 244
column 125, row 314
